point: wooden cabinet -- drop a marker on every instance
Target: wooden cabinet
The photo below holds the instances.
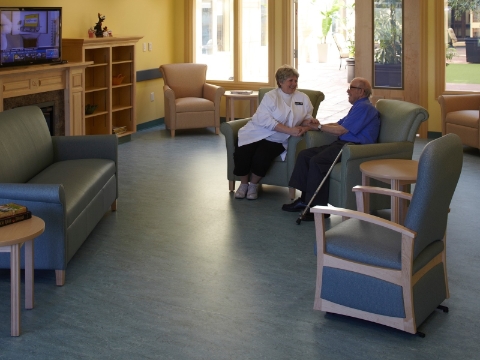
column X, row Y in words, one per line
column 112, row 58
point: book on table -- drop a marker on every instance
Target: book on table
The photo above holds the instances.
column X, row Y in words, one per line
column 15, row 218
column 11, row 209
column 241, row 92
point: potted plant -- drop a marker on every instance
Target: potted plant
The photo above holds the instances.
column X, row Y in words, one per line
column 328, row 16
column 450, row 52
column 351, row 48
column 388, row 44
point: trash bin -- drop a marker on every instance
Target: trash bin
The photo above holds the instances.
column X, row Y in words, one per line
column 472, row 47
column 350, row 69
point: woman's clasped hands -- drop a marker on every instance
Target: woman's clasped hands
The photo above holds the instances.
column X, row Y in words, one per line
column 298, row 130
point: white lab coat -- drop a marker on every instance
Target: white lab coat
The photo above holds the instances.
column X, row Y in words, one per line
column 271, row 111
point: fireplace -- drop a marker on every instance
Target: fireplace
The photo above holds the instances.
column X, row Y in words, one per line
column 48, row 109
column 51, row 103
column 64, row 84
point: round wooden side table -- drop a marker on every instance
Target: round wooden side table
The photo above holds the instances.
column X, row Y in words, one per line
column 12, row 237
column 230, row 98
column 397, row 173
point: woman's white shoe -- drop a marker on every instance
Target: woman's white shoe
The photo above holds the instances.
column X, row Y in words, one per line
column 252, row 193
column 241, row 191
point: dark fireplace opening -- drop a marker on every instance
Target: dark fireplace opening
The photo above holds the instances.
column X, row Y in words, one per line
column 48, row 109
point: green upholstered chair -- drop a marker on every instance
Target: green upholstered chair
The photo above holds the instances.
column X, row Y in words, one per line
column 279, row 173
column 399, row 122
column 377, row 270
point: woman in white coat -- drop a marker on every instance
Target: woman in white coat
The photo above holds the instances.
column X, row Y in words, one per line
column 283, row 112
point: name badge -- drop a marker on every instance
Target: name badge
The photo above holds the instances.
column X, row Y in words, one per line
column 298, row 103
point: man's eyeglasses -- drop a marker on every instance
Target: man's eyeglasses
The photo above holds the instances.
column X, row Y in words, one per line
column 354, row 87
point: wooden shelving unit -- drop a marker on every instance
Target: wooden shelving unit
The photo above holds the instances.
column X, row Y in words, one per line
column 110, row 56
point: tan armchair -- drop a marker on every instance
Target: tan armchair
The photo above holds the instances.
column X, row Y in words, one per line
column 190, row 102
column 461, row 116
column 341, row 46
column 453, row 38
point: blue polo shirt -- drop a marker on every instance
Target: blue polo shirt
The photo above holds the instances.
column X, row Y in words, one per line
column 362, row 123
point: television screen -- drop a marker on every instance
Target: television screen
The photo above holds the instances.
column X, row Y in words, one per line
column 30, row 36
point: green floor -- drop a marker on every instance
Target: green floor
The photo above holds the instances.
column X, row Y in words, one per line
column 182, row 270
column 463, row 73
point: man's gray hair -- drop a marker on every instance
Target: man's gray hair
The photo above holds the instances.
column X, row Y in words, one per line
column 365, row 84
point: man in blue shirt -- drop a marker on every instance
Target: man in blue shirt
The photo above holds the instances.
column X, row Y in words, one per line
column 360, row 126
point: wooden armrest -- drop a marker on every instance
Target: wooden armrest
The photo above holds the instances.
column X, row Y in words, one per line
column 399, row 277
column 382, row 191
column 362, row 191
column 364, row 217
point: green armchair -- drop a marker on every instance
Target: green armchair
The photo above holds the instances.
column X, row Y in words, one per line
column 373, row 269
column 279, row 173
column 399, row 122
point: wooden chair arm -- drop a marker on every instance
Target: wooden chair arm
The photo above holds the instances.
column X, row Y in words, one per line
column 361, row 192
column 362, row 216
column 382, row 191
column 399, row 277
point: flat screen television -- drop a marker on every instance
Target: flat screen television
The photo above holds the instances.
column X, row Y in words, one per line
column 30, row 35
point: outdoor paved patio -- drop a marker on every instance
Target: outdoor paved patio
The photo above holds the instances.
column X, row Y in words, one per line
column 327, row 78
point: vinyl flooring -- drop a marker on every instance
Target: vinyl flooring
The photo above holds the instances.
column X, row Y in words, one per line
column 184, row 271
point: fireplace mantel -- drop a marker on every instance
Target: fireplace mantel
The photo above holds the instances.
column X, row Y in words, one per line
column 70, row 77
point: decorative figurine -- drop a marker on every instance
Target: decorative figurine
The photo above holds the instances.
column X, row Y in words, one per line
column 98, row 26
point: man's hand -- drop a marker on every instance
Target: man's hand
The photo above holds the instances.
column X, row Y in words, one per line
column 311, row 124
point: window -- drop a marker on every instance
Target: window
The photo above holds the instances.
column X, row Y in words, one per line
column 462, row 46
column 233, row 38
column 214, row 37
column 387, row 44
column 254, row 40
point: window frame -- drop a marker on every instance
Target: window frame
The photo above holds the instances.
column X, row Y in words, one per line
column 440, row 49
column 190, row 44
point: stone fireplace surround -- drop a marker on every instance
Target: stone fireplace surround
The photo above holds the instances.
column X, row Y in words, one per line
column 56, row 96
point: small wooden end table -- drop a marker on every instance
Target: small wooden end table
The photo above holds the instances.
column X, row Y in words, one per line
column 230, row 98
column 397, row 173
column 12, row 237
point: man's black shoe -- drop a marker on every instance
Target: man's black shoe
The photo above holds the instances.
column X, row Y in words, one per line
column 296, row 206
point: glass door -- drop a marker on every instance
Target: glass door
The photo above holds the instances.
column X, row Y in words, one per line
column 462, row 46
